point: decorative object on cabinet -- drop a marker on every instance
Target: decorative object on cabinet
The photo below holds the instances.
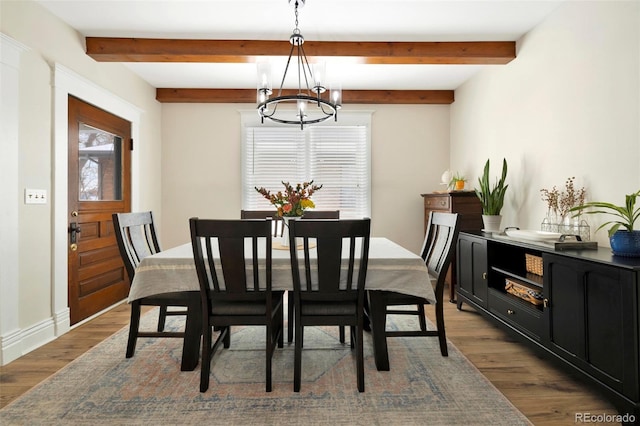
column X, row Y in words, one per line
column 589, row 315
column 559, row 205
column 624, row 242
column 457, row 182
column 445, row 179
column 492, row 198
column 523, row 291
column 469, row 210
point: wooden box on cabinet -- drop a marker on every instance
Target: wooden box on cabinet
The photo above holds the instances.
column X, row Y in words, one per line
column 469, row 209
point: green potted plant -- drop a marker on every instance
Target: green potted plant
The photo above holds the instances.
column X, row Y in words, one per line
column 626, row 241
column 492, row 197
column 457, row 182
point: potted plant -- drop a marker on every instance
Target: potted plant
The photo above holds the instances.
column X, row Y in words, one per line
column 457, row 182
column 492, row 198
column 624, row 242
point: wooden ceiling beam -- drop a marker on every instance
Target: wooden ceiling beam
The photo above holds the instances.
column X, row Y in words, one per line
column 107, row 49
column 168, row 95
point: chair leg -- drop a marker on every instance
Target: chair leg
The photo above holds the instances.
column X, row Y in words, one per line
column 270, row 345
column 297, row 359
column 352, row 335
column 342, row 337
column 205, row 366
column 134, row 324
column 360, row 358
column 226, row 342
column 162, row 318
column 442, row 337
column 421, row 316
column 290, row 317
column 280, row 327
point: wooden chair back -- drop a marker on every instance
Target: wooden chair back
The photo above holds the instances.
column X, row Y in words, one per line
column 226, row 269
column 327, row 277
column 439, row 246
column 277, row 224
column 321, row 214
column 136, row 237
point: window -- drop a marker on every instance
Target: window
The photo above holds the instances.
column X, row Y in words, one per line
column 336, row 155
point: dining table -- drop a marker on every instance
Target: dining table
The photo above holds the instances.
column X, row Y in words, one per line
column 391, row 267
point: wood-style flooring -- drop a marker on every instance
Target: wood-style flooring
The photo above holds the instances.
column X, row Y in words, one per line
column 538, row 388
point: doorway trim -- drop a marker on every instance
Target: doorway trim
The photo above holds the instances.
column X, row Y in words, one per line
column 65, row 83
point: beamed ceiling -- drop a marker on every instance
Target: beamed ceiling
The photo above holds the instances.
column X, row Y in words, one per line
column 247, row 51
column 380, row 51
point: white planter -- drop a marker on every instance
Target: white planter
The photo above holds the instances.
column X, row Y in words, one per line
column 491, row 222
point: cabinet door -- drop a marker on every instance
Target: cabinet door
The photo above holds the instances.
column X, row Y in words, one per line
column 472, row 269
column 591, row 319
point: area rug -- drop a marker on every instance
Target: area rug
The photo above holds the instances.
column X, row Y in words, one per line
column 422, row 388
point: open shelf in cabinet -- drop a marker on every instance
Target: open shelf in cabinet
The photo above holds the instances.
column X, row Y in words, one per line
column 508, row 263
column 528, row 277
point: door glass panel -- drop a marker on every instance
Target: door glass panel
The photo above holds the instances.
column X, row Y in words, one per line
column 99, row 168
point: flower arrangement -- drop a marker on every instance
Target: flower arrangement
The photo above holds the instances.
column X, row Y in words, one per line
column 293, row 201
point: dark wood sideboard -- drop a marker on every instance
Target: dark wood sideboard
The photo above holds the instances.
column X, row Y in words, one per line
column 468, row 206
column 586, row 312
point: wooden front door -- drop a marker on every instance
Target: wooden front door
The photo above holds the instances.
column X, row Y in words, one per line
column 99, row 185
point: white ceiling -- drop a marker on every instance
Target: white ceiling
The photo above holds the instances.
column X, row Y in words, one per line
column 319, row 20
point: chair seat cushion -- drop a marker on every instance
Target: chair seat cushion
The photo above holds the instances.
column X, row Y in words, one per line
column 328, row 308
column 244, row 307
column 178, row 298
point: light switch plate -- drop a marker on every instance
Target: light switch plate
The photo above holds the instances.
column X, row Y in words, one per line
column 35, row 196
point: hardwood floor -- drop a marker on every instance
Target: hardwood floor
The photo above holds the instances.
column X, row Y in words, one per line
column 539, row 389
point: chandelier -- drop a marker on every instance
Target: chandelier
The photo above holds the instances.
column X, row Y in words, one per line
column 307, row 106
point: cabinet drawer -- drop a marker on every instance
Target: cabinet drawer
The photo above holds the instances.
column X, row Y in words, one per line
column 437, row 202
column 524, row 318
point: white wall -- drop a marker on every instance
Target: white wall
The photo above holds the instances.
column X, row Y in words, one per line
column 201, row 173
column 40, row 282
column 567, row 106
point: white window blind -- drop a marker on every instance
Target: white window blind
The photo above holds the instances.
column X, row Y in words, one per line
column 336, row 156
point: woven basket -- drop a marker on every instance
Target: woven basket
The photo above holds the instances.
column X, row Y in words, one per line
column 524, row 292
column 533, row 264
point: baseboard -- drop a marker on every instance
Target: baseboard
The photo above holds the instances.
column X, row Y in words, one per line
column 14, row 345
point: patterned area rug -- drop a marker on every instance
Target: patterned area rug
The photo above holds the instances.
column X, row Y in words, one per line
column 103, row 387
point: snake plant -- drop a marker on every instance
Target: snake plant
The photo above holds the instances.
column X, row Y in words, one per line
column 492, row 199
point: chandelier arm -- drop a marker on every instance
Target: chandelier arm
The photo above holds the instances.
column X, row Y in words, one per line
column 305, row 67
column 286, row 69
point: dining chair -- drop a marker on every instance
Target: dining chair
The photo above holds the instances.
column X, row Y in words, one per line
column 330, row 290
column 309, row 214
column 277, row 224
column 437, row 251
column 136, row 237
column 235, row 285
